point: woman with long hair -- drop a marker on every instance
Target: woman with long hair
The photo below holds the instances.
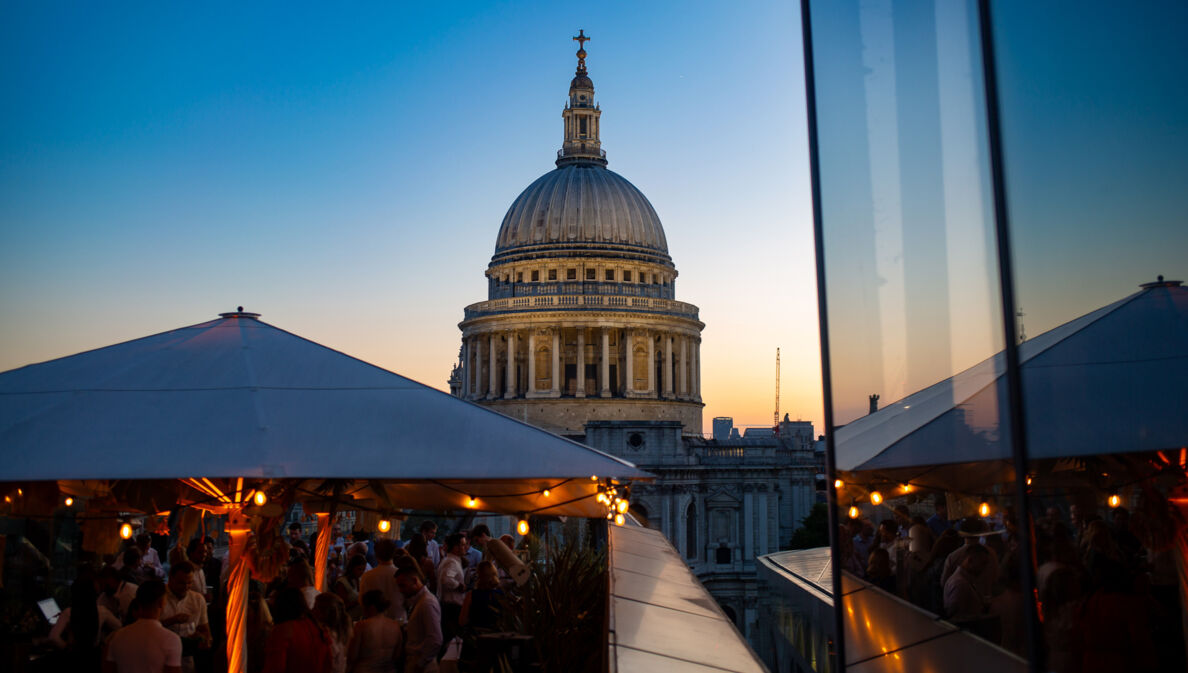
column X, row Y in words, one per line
column 331, row 613
column 297, row 644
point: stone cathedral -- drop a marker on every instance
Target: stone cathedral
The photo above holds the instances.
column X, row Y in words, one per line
column 582, row 334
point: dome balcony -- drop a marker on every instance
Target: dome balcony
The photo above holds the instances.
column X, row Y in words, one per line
column 589, row 302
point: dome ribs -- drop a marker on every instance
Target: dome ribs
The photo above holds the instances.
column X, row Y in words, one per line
column 583, row 206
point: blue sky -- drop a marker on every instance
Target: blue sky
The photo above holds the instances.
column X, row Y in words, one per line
column 344, row 171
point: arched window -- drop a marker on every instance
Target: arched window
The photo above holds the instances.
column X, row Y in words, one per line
column 691, row 531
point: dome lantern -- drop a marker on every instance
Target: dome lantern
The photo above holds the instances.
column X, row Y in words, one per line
column 581, row 140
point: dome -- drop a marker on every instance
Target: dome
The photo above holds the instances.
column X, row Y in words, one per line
column 582, row 207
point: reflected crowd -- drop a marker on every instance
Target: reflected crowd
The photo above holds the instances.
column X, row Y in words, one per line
column 1107, row 585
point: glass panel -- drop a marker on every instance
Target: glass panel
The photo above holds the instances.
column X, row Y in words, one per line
column 1096, row 166
column 915, row 334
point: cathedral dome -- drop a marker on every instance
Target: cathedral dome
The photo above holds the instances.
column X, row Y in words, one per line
column 582, row 207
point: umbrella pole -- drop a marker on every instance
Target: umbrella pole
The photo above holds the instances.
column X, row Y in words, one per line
column 322, row 551
column 237, row 594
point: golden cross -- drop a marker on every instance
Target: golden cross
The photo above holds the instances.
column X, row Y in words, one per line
column 582, row 39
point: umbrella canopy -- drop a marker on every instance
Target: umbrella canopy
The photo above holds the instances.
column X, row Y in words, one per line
column 237, row 397
column 1111, row 381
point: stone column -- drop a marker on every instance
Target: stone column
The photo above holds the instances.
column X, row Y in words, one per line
column 531, row 363
column 464, row 356
column 668, row 365
column 511, row 366
column 628, row 339
column 684, row 373
column 493, row 375
column 606, row 390
column 581, row 362
column 697, row 369
column 476, row 382
column 556, row 362
column 652, row 365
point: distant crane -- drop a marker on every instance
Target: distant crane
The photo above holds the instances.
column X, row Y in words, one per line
column 775, row 417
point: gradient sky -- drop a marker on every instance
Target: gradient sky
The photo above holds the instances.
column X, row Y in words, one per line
column 344, row 171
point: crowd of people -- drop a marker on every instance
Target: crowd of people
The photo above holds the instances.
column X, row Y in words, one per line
column 390, row 605
column 1107, row 602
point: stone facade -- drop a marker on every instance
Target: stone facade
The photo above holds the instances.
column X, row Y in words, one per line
column 722, row 502
column 581, row 334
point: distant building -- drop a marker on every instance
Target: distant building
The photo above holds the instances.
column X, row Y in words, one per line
column 582, row 334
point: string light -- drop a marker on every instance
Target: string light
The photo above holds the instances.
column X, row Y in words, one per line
column 622, row 506
column 984, row 509
column 876, row 498
column 838, row 483
column 260, row 498
column 522, row 525
column 907, row 488
column 126, row 531
column 593, row 477
column 1115, row 500
column 854, row 512
column 546, row 493
column 619, row 519
column 384, row 525
column 70, row 502
column 8, row 498
column 471, row 502
column 1029, row 480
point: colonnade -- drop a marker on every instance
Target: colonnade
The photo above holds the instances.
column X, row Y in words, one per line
column 606, row 361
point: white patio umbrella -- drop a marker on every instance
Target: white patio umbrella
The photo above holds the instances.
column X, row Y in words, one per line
column 224, row 408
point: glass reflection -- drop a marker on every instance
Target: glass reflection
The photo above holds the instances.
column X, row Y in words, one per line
column 1095, row 160
column 914, row 313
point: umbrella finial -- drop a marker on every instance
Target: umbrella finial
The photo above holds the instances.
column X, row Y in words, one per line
column 1160, row 282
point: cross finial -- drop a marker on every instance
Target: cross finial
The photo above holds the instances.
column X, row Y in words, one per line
column 581, row 52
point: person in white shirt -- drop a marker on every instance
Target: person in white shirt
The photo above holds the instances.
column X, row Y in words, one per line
column 422, row 640
column 451, row 584
column 383, row 578
column 145, row 646
column 150, row 560
column 185, row 611
column 196, row 552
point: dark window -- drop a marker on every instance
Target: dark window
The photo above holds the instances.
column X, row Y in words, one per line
column 571, row 274
column 691, row 531
column 635, row 440
column 591, row 274
column 626, row 276
column 552, row 274
column 535, row 276
column 519, row 276
column 583, row 126
column 610, row 274
column 722, row 555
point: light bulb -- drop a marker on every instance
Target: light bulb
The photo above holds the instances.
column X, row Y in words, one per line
column 70, row 502
column 984, row 509
column 593, row 477
column 547, row 493
column 260, row 498
column 622, row 507
column 384, row 525
column 619, row 519
column 838, row 483
column 1115, row 500
column 876, row 498
column 471, row 502
column 522, row 526
column 854, row 512
column 907, row 488
column 126, row 531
